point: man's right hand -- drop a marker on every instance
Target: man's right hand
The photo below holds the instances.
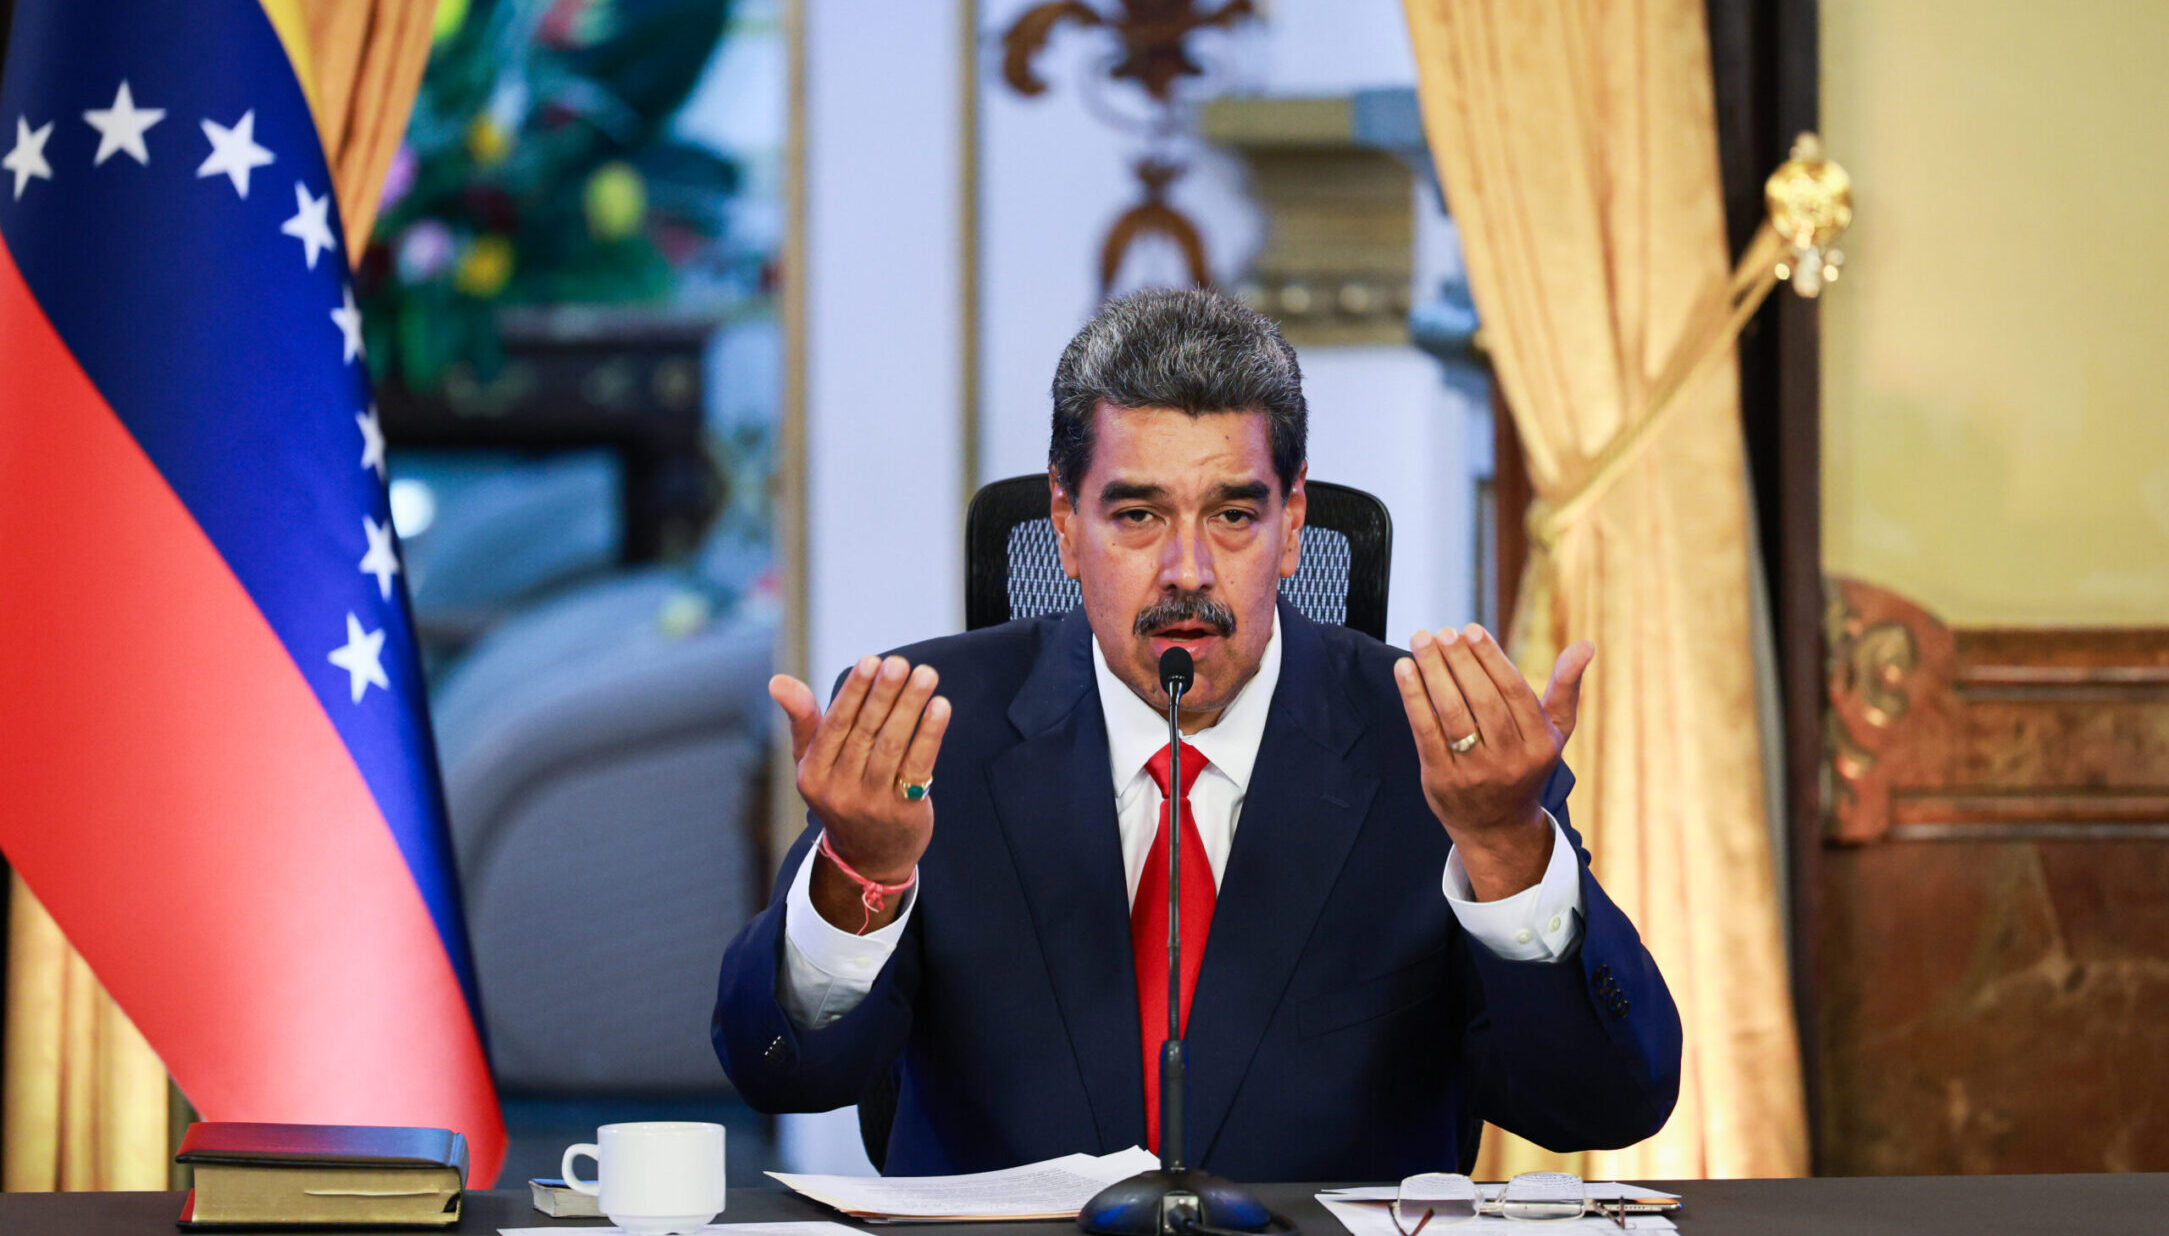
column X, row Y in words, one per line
column 883, row 728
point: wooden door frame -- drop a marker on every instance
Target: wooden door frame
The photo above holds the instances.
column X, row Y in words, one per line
column 1766, row 66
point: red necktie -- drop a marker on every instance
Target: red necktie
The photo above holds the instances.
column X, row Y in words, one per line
column 1148, row 926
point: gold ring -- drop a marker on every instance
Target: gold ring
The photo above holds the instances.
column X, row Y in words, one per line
column 913, row 791
column 1462, row 746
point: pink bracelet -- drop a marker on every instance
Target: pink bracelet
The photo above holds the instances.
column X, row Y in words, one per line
column 872, row 895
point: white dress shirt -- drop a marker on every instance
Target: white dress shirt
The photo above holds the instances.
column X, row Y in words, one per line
column 828, row 970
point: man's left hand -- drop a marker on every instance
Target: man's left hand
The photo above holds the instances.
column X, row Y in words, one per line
column 1458, row 684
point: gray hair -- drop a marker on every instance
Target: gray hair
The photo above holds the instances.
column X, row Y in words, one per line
column 1199, row 351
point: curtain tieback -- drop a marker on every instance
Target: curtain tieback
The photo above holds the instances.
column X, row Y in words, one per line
column 1715, row 324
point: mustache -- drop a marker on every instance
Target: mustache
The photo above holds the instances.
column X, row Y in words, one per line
column 1186, row 607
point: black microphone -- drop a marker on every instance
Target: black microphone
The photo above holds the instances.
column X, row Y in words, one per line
column 1173, row 1199
column 1177, row 672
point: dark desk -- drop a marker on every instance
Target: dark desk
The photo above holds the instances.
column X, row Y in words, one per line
column 1958, row 1205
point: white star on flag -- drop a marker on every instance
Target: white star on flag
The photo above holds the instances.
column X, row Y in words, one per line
column 372, row 440
column 28, row 157
column 121, row 127
column 382, row 560
column 360, row 658
column 349, row 319
column 311, row 224
column 234, row 151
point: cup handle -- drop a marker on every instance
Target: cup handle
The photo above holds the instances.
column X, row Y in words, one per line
column 573, row 1182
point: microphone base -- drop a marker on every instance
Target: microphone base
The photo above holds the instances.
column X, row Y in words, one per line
column 1164, row 1203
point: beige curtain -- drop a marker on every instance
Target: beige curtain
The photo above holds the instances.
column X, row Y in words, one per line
column 84, row 1101
column 85, row 1097
column 1577, row 143
column 360, row 61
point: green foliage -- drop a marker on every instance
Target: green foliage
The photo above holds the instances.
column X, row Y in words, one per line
column 539, row 168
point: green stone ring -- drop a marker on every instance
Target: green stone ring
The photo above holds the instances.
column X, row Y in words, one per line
column 913, row 791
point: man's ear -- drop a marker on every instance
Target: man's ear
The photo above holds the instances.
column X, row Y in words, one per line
column 1293, row 511
column 1060, row 512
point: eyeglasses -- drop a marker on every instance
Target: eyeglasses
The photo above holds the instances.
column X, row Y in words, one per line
column 1435, row 1199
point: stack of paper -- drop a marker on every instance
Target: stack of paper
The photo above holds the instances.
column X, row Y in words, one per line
column 1055, row 1189
column 710, row 1230
column 1368, row 1211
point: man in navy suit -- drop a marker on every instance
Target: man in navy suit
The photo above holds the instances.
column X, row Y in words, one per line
column 1400, row 936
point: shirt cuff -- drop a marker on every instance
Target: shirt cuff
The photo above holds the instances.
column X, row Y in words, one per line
column 1540, row 923
column 827, row 970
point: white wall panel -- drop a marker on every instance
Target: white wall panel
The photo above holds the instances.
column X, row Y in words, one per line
column 883, row 395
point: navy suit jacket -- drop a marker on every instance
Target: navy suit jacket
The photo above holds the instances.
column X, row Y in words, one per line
column 1344, row 1026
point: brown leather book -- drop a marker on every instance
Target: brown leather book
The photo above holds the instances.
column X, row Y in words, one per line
column 320, row 1175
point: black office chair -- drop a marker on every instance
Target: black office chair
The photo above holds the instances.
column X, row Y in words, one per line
column 1012, row 569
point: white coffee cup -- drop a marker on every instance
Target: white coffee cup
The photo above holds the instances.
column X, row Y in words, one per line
column 654, row 1177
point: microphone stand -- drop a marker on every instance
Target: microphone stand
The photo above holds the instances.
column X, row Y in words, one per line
column 1173, row 1199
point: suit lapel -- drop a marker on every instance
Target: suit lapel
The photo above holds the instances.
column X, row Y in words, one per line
column 1054, row 796
column 1308, row 795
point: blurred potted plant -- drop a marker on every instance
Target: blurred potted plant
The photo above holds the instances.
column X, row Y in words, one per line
column 540, row 169
column 522, row 286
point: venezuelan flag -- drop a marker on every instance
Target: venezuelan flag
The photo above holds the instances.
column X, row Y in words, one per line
column 216, row 768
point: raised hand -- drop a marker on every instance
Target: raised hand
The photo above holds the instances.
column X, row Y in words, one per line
column 881, row 732
column 1486, row 744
